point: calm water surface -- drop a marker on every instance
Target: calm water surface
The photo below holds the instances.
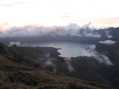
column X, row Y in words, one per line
column 68, row 49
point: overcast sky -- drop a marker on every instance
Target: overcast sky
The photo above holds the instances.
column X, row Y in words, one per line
column 59, row 12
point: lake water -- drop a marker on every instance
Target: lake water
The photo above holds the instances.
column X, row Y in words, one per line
column 68, row 49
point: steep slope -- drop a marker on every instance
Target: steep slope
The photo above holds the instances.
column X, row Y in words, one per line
column 17, row 72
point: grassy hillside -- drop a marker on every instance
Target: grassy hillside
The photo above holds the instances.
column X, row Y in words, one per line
column 21, row 69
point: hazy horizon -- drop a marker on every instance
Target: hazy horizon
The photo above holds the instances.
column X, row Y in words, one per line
column 101, row 13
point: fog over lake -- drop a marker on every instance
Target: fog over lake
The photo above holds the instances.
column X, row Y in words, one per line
column 69, row 49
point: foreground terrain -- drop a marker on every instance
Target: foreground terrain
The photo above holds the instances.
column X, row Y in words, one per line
column 30, row 68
